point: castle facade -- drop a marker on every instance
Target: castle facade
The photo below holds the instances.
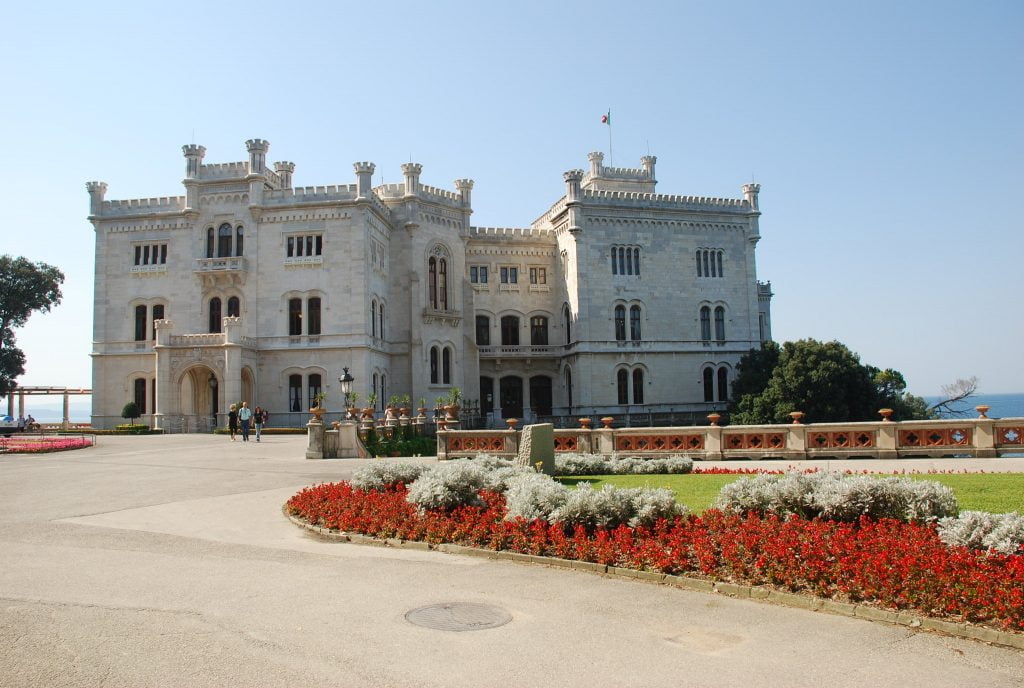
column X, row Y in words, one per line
column 615, row 300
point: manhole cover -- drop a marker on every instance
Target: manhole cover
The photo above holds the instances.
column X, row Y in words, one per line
column 459, row 616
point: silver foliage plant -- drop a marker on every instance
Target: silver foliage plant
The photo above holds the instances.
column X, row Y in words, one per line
column 591, row 464
column 448, row 485
column 378, row 475
column 839, row 497
column 1003, row 533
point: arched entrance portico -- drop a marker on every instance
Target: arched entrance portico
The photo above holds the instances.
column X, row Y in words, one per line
column 199, row 393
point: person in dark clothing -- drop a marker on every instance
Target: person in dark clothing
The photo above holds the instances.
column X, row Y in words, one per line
column 233, row 421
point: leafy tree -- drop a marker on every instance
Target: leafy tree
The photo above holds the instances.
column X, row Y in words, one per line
column 130, row 411
column 25, row 287
column 825, row 380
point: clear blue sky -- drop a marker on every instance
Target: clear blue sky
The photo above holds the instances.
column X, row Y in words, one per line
column 886, row 137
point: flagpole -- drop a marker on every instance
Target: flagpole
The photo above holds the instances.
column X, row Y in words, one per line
column 611, row 155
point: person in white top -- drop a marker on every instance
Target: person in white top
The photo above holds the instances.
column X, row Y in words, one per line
column 245, row 417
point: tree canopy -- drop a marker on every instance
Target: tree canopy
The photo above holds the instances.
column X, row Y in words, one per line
column 25, row 287
column 825, row 380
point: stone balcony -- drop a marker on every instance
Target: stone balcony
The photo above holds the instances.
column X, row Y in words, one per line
column 521, row 351
column 221, row 272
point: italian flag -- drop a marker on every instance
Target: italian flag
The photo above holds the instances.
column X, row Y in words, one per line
column 607, row 119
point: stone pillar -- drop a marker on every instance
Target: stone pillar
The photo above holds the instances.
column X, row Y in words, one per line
column 713, row 443
column 886, row 444
column 65, row 424
column 97, row 190
column 163, row 370
column 796, row 440
column 572, row 197
column 315, row 439
column 348, row 440
column 984, row 438
column 750, row 192
column 284, row 171
column 537, row 448
column 412, row 170
column 21, row 403
column 10, row 403
column 604, row 440
column 364, row 178
column 648, row 161
column 596, row 163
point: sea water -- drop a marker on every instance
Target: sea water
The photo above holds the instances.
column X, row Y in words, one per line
column 1002, row 405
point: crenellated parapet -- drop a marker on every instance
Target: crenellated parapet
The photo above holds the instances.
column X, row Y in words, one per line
column 136, row 206
column 510, row 233
column 364, row 176
column 411, row 171
column 257, row 155
column 750, row 192
column 284, row 171
column 97, row 190
column 667, row 201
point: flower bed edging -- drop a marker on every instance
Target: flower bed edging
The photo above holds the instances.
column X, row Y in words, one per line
column 753, row 592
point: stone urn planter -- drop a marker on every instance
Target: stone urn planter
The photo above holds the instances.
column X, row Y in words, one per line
column 607, row 422
column 714, row 418
column 585, row 423
column 796, row 416
column 512, row 423
column 318, row 414
column 885, row 414
column 982, row 409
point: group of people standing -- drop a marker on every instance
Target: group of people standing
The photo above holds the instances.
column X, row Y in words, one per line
column 246, row 417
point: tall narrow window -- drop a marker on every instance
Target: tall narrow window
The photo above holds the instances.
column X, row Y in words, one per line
column 723, row 384
column 709, row 385
column 568, row 323
column 215, row 316
column 373, row 318
column 209, row 242
column 510, row 331
column 433, row 365
column 158, row 314
column 234, row 307
column 714, row 268
column 707, row 272
column 720, row 273
column 568, row 387
column 382, row 321
column 163, row 253
column 622, row 261
column 636, row 262
column 314, row 389
column 615, row 266
column 705, row 324
column 140, row 323
column 622, row 383
column 432, row 281
column 634, row 323
column 699, row 272
column 224, row 241
column 294, row 393
column 238, row 240
column 720, row 324
column 313, row 311
column 446, row 366
column 374, row 383
column 145, row 255
column 442, row 284
column 290, row 247
column 309, row 244
column 638, row 386
column 294, row 317
column 539, row 330
column 620, row 323
column 383, row 391
column 140, row 394
column 483, row 330
column 138, row 255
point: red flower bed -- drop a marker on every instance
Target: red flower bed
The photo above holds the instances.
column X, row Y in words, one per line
column 39, row 445
column 894, row 564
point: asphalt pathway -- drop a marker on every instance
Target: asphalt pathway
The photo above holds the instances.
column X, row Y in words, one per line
column 166, row 561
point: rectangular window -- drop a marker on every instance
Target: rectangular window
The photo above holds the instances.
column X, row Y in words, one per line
column 304, row 246
column 138, row 255
column 473, row 274
column 509, row 275
column 163, row 254
column 538, row 276
column 478, row 274
column 319, row 244
column 291, row 247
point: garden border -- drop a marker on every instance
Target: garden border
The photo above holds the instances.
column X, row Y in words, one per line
column 754, row 592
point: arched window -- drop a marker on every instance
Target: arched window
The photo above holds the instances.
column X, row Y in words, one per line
column 373, row 318
column 622, row 382
column 294, row 317
column 224, row 241
column 510, row 330
column 568, row 323
column 714, row 267
column 140, row 394
column 294, row 393
column 699, row 272
column 638, row 386
column 140, row 323
column 432, row 281
column 383, row 391
column 483, row 330
column 620, row 323
column 720, row 324
column 636, row 262
column 634, row 323
column 234, row 307
column 720, row 272
column 615, row 268
column 568, row 387
column 723, row 384
column 705, row 324
column 158, row 314
column 215, row 317
column 382, row 320
column 433, row 365
column 314, row 381
column 313, row 311
column 622, row 261
column 707, row 271
column 538, row 330
column 446, row 366
column 374, row 389
column 209, row 242
column 238, row 240
column 709, row 385
column 443, row 284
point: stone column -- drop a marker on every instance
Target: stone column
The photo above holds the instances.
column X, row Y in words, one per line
column 886, row 446
column 163, row 370
column 348, row 440
column 67, row 420
column 21, row 403
column 713, row 443
column 984, row 438
column 315, row 439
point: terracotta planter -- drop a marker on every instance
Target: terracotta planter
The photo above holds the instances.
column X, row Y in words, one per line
column 796, row 416
column 512, row 423
column 982, row 409
column 368, row 412
column 318, row 414
column 885, row 413
column 607, row 421
column 585, row 423
column 714, row 418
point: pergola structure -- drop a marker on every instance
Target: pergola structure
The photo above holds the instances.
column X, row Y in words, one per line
column 22, row 392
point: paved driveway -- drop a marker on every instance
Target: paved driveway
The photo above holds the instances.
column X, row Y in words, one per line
column 166, row 561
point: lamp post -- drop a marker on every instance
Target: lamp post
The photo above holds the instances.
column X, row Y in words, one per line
column 346, row 385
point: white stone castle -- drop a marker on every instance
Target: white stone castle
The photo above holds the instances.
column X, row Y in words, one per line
column 616, row 300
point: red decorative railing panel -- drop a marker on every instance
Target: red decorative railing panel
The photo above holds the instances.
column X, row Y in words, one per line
column 666, row 443
column 841, row 439
column 1009, row 436
column 935, row 437
column 476, row 443
column 754, row 440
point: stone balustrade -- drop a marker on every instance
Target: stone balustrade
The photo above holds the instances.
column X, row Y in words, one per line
column 980, row 437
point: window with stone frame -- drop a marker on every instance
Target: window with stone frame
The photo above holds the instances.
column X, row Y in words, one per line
column 620, row 323
column 509, row 330
column 709, row 384
column 149, row 255
column 446, row 366
column 538, row 330
column 314, row 382
column 294, row 393
column 705, row 324
column 158, row 314
column 304, row 248
column 478, row 274
column 509, row 274
column 140, row 394
column 313, row 315
column 719, row 324
column 638, row 386
column 710, row 262
column 622, row 386
column 434, row 365
column 234, row 307
column 538, row 275
column 483, row 330
column 634, row 323
column 625, row 260
column 140, row 323
column 216, row 322
column 294, row 317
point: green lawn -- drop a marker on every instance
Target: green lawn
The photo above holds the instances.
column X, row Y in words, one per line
column 994, row 492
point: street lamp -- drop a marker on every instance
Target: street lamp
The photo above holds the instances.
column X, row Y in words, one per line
column 346, row 384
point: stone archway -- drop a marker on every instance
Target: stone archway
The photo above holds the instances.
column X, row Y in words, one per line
column 199, row 399
column 248, row 386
